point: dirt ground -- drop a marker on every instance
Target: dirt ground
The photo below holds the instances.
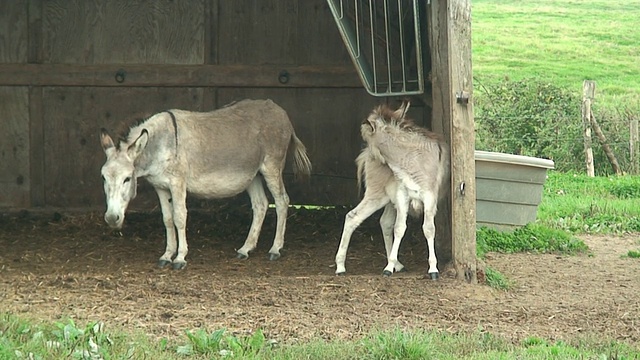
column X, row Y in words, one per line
column 57, row 266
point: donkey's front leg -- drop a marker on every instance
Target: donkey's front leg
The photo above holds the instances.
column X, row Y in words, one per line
column 167, row 217
column 179, row 202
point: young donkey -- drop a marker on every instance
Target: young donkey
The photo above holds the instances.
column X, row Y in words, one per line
column 405, row 169
column 214, row 154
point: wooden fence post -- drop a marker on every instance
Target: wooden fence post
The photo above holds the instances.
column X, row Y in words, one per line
column 605, row 146
column 588, row 93
column 634, row 146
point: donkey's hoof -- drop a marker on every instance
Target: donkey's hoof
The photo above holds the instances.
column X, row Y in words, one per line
column 404, row 269
column 163, row 263
column 434, row 275
column 274, row 256
column 242, row 256
column 386, row 273
column 179, row 265
column 342, row 273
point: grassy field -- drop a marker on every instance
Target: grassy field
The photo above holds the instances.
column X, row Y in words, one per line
column 577, row 203
column 562, row 41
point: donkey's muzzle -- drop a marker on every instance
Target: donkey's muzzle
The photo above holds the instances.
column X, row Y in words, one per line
column 113, row 220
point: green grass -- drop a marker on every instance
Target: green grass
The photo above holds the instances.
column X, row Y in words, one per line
column 633, row 254
column 530, row 238
column 562, row 41
column 497, row 280
column 580, row 204
column 23, row 339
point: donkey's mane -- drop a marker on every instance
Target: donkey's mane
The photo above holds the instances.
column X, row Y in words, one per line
column 124, row 129
column 405, row 124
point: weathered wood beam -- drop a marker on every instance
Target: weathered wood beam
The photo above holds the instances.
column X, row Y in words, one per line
column 179, row 75
column 588, row 93
column 452, row 77
column 463, row 168
column 605, row 146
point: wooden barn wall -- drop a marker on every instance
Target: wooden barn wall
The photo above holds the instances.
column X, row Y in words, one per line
column 14, row 110
column 59, row 58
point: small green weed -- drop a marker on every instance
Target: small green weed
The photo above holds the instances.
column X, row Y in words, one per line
column 497, row 280
column 634, row 254
column 218, row 343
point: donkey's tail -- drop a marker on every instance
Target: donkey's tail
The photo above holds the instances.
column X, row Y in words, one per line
column 444, row 173
column 361, row 163
column 301, row 162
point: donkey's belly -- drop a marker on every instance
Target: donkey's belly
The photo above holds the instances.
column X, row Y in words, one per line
column 217, row 185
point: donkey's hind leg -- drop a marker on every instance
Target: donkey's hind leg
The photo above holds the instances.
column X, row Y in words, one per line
column 259, row 205
column 281, row 198
column 429, row 230
column 167, row 217
column 399, row 228
column 354, row 218
column 387, row 220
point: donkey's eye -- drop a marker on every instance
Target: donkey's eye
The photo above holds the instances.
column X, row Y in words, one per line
column 127, row 180
column 103, row 179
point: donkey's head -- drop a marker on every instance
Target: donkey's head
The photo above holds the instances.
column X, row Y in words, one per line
column 119, row 175
column 381, row 117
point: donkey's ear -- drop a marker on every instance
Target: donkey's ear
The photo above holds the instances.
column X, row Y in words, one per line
column 402, row 110
column 136, row 148
column 106, row 142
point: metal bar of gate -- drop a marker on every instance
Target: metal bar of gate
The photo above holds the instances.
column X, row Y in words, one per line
column 385, row 65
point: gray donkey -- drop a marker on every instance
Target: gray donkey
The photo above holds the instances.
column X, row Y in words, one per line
column 215, row 154
column 405, row 170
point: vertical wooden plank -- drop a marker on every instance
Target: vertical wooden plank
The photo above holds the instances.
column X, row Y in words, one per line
column 258, row 32
column 14, row 147
column 36, row 148
column 318, row 37
column 36, row 124
column 211, row 32
column 13, row 32
column 14, row 137
column 35, row 49
column 588, row 93
column 450, row 36
column 124, row 32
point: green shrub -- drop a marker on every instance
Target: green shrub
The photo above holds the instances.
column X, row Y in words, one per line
column 530, row 117
column 536, row 118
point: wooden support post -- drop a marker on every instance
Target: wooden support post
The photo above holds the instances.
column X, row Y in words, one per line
column 450, row 36
column 634, row 146
column 588, row 93
column 607, row 149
